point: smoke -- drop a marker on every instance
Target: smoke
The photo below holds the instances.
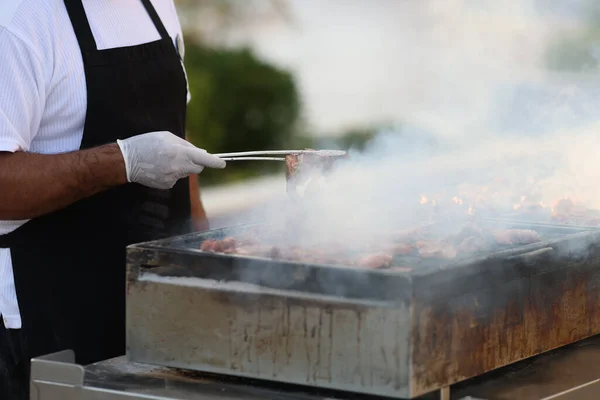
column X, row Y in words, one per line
column 486, row 127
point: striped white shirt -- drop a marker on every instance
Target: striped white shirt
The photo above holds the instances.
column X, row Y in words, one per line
column 42, row 83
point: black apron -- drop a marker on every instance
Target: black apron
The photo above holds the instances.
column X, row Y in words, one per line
column 69, row 266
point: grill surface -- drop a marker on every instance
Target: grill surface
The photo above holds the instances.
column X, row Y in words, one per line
column 392, row 333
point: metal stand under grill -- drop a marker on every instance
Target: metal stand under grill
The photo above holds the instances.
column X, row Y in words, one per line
column 396, row 334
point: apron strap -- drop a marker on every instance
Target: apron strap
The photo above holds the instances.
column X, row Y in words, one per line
column 80, row 23
column 160, row 27
column 84, row 34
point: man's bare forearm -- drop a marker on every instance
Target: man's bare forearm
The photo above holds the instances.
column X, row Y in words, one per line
column 36, row 184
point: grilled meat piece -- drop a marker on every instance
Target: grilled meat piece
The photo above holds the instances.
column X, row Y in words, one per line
column 229, row 242
column 227, row 245
column 403, row 249
column 407, row 235
column 299, row 169
column 566, row 211
column 261, row 251
column 297, row 163
column 431, row 249
column 292, row 163
column 307, row 169
column 208, row 245
column 374, row 261
column 473, row 244
column 564, row 207
column 516, row 236
column 249, row 250
column 468, row 231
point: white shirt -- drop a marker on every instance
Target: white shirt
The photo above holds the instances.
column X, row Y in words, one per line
column 42, row 83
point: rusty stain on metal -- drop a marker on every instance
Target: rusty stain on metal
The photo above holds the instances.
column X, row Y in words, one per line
column 287, row 325
column 306, row 343
column 459, row 339
column 330, row 346
column 358, row 349
column 317, row 332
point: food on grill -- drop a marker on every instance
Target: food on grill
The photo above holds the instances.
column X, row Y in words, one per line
column 374, row 261
column 383, row 251
column 403, row 249
column 567, row 212
column 473, row 244
column 516, row 236
column 469, row 231
column 226, row 245
column 427, row 249
column 567, row 207
column 407, row 235
column 209, row 245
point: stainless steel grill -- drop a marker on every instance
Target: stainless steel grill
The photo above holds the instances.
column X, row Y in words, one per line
column 389, row 333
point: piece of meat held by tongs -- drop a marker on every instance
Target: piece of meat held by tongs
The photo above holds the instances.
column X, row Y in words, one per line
column 516, row 236
column 303, row 167
column 306, row 171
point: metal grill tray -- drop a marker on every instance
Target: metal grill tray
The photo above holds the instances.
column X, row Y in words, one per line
column 387, row 333
column 181, row 256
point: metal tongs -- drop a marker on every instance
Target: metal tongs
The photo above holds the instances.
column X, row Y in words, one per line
column 261, row 155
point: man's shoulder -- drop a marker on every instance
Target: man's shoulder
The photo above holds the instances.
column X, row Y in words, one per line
column 8, row 9
column 14, row 11
column 30, row 25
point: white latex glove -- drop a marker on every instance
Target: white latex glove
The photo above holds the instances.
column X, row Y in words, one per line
column 159, row 159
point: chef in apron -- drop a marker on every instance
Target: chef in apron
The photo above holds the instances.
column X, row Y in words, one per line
column 93, row 101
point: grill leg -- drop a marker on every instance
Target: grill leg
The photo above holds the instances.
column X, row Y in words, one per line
column 445, row 393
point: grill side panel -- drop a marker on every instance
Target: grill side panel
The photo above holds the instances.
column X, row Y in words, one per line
column 510, row 310
column 240, row 330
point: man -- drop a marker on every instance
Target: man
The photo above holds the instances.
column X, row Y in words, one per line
column 92, row 158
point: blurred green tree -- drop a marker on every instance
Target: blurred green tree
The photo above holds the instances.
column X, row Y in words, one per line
column 239, row 103
column 580, row 50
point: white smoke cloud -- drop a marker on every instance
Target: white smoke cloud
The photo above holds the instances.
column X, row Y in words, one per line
column 475, row 73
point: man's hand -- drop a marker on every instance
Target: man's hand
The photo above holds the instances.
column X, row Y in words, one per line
column 32, row 185
column 160, row 159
